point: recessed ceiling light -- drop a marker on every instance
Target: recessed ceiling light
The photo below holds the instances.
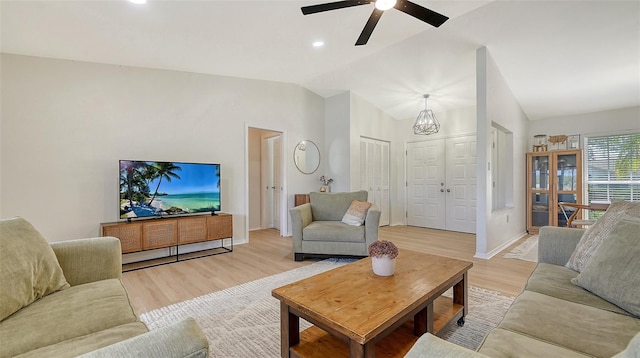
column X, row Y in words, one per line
column 318, row 44
column 139, row 2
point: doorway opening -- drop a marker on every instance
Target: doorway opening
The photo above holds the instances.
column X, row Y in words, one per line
column 266, row 198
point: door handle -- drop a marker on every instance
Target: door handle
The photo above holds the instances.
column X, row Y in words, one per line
column 442, row 190
column 448, row 190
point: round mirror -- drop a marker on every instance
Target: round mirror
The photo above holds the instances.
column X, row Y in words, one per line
column 306, row 156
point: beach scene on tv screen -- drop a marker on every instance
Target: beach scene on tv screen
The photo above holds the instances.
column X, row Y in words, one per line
column 149, row 189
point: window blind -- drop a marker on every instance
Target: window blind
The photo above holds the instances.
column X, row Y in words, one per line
column 613, row 168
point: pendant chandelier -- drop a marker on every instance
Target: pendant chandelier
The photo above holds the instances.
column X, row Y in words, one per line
column 426, row 123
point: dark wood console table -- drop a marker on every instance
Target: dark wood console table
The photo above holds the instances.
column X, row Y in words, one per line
column 300, row 199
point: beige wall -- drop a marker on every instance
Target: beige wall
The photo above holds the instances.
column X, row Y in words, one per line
column 615, row 121
column 65, row 125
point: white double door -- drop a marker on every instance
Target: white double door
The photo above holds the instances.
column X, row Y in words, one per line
column 374, row 174
column 441, row 184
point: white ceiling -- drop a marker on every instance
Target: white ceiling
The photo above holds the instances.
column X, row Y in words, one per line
column 558, row 57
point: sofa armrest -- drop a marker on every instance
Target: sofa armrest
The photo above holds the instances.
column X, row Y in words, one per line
column 89, row 260
column 431, row 346
column 556, row 244
column 182, row 339
column 371, row 225
column 300, row 218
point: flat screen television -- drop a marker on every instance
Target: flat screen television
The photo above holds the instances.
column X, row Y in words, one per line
column 159, row 189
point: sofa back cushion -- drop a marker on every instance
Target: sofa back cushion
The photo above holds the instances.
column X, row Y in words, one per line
column 613, row 271
column 599, row 231
column 333, row 206
column 29, row 269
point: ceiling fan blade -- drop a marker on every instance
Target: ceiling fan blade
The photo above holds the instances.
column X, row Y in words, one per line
column 421, row 13
column 368, row 28
column 306, row 10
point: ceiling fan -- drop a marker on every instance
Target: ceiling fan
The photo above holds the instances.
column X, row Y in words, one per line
column 421, row 13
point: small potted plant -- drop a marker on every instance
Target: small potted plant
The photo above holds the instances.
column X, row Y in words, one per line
column 325, row 183
column 383, row 257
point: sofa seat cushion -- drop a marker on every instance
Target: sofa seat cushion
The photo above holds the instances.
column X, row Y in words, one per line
column 89, row 343
column 555, row 281
column 333, row 231
column 75, row 312
column 502, row 343
column 577, row 327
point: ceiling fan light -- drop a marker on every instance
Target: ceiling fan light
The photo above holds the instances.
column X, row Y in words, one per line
column 385, row 4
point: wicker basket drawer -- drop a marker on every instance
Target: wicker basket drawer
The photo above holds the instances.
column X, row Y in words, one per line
column 219, row 226
column 130, row 236
column 192, row 230
column 160, row 234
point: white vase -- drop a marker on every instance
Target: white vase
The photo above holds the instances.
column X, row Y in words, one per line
column 383, row 266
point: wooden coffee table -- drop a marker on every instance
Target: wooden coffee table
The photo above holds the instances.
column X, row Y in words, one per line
column 356, row 313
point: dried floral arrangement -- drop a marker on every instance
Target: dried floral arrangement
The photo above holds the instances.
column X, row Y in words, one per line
column 325, row 181
column 380, row 248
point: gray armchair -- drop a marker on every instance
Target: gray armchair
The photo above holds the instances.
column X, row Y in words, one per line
column 318, row 228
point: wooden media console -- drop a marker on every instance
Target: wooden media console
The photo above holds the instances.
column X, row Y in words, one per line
column 171, row 233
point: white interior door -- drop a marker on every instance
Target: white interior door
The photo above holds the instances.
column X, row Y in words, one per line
column 461, row 184
column 272, row 181
column 441, row 184
column 277, row 180
column 374, row 174
column 425, row 184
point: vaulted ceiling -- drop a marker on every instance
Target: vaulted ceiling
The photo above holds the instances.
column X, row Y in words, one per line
column 558, row 57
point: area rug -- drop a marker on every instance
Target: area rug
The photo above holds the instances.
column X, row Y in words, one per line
column 244, row 321
column 527, row 251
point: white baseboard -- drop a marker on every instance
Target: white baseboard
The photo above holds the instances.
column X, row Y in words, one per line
column 497, row 250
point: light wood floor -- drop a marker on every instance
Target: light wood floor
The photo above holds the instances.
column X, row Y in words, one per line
column 267, row 254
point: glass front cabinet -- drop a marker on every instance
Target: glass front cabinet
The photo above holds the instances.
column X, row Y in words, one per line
column 552, row 177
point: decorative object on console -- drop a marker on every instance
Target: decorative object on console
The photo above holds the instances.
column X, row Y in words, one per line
column 383, row 257
column 558, row 142
column 426, row 123
column 540, row 143
column 573, row 142
column 325, row 184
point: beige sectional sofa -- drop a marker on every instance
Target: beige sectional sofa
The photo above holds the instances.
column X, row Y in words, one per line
column 554, row 317
column 66, row 299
